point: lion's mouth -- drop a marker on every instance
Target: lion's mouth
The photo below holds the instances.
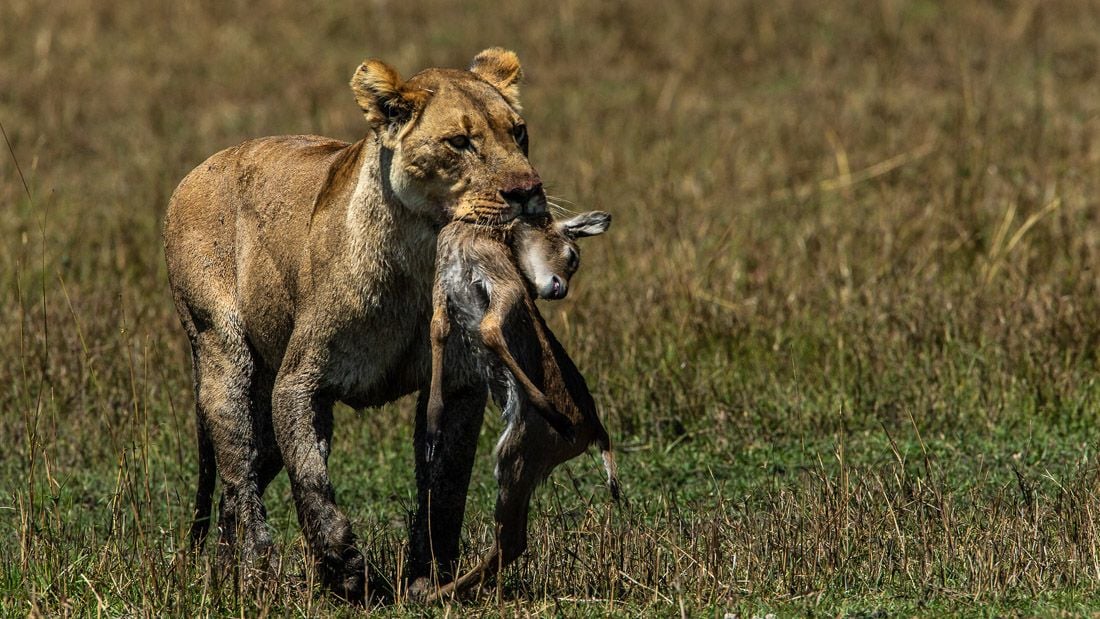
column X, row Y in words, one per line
column 484, row 212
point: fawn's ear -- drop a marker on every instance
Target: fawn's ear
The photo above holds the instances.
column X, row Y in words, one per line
column 385, row 99
column 500, row 67
column 586, row 224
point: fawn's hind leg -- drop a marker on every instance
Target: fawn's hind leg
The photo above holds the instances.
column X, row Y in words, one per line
column 501, row 303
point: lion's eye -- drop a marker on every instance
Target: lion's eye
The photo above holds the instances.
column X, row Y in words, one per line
column 460, row 142
column 519, row 134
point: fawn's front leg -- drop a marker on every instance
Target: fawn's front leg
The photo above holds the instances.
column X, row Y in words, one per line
column 440, row 329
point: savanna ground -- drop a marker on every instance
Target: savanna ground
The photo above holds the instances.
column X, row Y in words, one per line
column 844, row 327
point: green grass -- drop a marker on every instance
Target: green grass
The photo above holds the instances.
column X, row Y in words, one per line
column 844, row 328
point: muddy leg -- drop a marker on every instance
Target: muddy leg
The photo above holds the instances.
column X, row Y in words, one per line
column 519, row 470
column 204, row 492
column 268, row 459
column 442, row 484
column 302, row 420
column 225, row 371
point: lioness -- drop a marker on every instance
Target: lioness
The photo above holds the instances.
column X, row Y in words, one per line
column 301, row 269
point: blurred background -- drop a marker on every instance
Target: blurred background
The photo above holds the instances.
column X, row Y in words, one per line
column 844, row 327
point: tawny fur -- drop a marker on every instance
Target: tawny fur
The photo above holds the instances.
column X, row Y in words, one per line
column 301, row 269
column 501, row 68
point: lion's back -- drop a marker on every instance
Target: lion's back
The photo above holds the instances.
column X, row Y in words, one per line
column 242, row 216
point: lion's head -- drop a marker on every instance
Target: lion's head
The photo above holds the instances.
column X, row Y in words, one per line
column 457, row 140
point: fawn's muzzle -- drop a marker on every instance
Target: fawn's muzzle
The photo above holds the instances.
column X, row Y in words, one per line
column 557, row 289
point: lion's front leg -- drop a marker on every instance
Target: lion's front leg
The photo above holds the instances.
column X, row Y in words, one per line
column 302, row 419
column 442, row 484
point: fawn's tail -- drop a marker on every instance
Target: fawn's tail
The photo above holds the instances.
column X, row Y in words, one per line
column 604, row 441
column 612, row 474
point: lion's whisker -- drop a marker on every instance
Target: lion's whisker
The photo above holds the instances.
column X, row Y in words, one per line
column 559, row 209
column 561, row 199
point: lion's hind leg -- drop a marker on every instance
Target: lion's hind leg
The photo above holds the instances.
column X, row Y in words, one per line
column 225, row 367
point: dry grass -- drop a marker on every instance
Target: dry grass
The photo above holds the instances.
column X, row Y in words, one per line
column 845, row 326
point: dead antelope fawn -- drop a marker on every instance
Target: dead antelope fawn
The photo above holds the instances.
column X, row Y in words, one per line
column 486, row 278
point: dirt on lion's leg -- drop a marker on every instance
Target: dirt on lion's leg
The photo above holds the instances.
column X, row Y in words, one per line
column 302, row 420
column 225, row 373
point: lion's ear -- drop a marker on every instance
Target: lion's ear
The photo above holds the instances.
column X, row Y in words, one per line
column 500, row 67
column 382, row 95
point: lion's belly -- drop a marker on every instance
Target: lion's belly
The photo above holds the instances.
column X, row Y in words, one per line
column 370, row 367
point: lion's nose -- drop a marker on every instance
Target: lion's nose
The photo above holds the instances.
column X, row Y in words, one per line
column 527, row 199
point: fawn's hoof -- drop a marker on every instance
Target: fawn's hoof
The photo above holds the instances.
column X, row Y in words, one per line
column 432, row 440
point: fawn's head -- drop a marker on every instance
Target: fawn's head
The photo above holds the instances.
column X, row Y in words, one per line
column 547, row 251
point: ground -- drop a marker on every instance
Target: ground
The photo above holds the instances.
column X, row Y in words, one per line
column 844, row 328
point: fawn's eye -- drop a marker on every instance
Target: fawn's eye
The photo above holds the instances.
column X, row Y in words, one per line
column 459, row 142
column 572, row 260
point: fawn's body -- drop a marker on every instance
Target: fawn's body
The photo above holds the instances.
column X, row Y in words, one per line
column 486, row 280
column 478, row 285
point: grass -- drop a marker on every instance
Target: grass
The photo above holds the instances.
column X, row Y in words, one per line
column 844, row 327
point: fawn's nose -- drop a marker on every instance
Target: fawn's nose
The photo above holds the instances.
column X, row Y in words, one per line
column 527, row 198
column 557, row 288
